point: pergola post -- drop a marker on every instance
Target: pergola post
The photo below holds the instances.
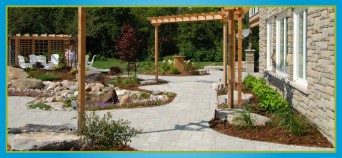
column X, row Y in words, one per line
column 225, row 52
column 231, row 57
column 81, row 65
column 239, row 59
column 156, row 50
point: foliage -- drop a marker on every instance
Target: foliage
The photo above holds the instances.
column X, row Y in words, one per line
column 48, row 77
column 245, row 117
column 115, row 70
column 294, row 124
column 268, row 98
column 60, row 66
column 169, row 94
column 173, row 70
column 128, row 44
column 144, row 96
column 125, row 82
column 73, row 71
column 105, row 133
column 41, row 106
column 165, row 67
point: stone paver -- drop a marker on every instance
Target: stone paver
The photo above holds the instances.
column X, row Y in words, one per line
column 180, row 125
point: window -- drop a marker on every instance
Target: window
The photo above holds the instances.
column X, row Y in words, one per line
column 281, row 43
column 269, row 45
column 299, row 43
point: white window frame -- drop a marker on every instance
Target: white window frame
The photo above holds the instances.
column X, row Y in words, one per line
column 296, row 77
column 269, row 45
column 279, row 18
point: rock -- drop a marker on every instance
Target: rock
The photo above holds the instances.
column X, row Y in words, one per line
column 50, row 99
column 109, row 96
column 88, row 87
column 156, row 92
column 56, row 105
column 59, row 88
column 121, row 92
column 162, row 97
column 39, row 137
column 27, row 84
column 258, row 120
column 76, row 93
column 96, row 87
column 245, row 98
column 124, row 99
column 68, row 84
column 69, row 96
column 59, row 98
column 37, row 101
column 94, row 76
column 16, row 73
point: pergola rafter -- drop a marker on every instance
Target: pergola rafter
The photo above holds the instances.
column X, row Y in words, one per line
column 228, row 15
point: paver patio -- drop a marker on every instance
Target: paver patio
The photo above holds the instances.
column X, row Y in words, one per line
column 180, row 125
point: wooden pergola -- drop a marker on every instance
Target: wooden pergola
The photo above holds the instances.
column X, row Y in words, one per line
column 228, row 16
column 43, row 44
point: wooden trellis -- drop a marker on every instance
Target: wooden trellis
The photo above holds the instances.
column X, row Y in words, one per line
column 37, row 44
column 228, row 15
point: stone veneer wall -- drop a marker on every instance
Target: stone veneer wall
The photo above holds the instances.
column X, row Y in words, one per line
column 317, row 101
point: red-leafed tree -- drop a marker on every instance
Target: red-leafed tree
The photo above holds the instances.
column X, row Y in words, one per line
column 128, row 44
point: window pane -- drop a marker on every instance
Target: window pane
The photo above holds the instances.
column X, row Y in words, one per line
column 300, row 45
column 281, row 54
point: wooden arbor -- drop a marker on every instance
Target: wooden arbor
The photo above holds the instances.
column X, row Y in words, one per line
column 43, row 44
column 228, row 15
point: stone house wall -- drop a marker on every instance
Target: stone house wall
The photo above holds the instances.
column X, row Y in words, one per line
column 316, row 101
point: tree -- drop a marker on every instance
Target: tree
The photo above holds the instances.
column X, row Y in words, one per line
column 127, row 46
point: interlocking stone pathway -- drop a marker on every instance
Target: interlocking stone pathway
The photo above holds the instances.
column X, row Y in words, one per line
column 180, row 125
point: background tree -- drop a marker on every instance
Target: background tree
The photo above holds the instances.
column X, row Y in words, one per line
column 128, row 45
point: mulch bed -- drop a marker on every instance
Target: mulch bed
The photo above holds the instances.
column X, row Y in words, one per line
column 272, row 134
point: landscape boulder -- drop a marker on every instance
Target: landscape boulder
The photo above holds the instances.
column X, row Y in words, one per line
column 22, row 84
column 94, row 76
column 16, row 73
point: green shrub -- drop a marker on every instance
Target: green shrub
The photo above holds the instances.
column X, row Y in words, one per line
column 173, row 70
column 125, row 82
column 105, row 133
column 73, row 71
column 115, row 70
column 294, row 124
column 41, row 106
column 60, row 66
column 268, row 98
column 169, row 94
column 48, row 77
column 144, row 96
column 165, row 67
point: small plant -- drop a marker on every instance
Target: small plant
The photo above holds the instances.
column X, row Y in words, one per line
column 294, row 124
column 48, row 77
column 173, row 70
column 41, row 106
column 165, row 67
column 125, row 82
column 245, row 117
column 144, row 96
column 60, row 66
column 105, row 133
column 115, row 70
column 73, row 71
column 169, row 94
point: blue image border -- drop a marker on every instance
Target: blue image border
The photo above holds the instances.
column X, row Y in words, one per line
column 145, row 3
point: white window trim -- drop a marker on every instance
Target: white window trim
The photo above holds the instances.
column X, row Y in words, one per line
column 281, row 17
column 269, row 45
column 303, row 80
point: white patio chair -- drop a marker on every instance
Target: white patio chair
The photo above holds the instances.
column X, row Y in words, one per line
column 42, row 59
column 86, row 59
column 90, row 64
column 54, row 59
column 22, row 63
column 33, row 59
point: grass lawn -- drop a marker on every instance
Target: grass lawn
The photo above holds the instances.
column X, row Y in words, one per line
column 106, row 64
